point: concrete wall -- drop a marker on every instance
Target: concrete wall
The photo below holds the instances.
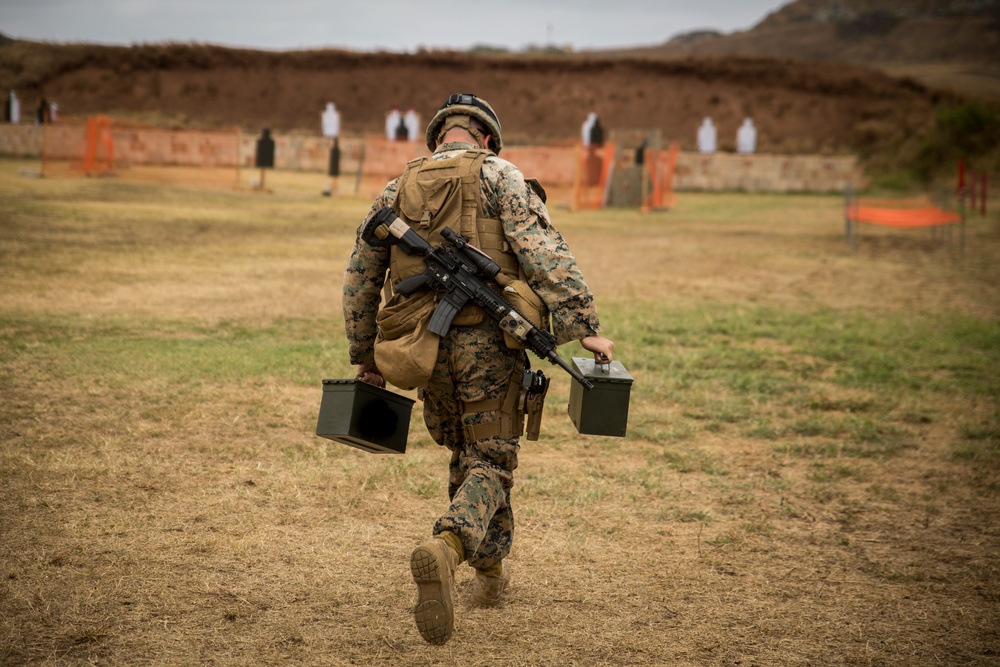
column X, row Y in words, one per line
column 20, row 140
column 380, row 159
column 766, row 173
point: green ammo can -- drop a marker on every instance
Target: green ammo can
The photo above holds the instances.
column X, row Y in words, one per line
column 602, row 410
column 362, row 415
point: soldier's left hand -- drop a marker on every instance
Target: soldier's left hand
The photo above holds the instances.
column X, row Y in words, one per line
column 371, row 374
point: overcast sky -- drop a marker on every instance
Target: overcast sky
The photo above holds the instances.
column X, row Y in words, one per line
column 393, row 25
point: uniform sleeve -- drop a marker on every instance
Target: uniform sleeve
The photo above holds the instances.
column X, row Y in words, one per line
column 542, row 252
column 363, row 280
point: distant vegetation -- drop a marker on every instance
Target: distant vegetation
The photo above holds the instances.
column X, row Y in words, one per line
column 969, row 131
column 876, row 23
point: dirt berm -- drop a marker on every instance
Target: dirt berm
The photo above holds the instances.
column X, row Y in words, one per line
column 797, row 106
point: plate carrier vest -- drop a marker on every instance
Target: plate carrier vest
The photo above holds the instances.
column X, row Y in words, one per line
column 433, row 194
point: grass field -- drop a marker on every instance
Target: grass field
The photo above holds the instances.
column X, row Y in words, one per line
column 810, row 474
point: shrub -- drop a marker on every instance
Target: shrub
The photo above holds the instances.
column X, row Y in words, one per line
column 969, row 131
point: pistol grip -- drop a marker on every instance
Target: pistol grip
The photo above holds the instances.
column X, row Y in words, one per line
column 410, row 285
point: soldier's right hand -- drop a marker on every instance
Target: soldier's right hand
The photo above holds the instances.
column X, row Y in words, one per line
column 600, row 346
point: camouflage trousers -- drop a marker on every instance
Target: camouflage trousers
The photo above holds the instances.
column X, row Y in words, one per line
column 473, row 364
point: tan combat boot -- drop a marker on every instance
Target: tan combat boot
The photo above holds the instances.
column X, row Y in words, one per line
column 487, row 587
column 433, row 566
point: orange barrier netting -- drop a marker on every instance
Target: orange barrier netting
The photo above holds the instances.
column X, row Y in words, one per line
column 912, row 213
column 99, row 151
column 660, row 168
column 906, row 218
column 586, row 193
column 920, row 201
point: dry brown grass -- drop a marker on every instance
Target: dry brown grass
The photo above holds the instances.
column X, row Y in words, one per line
column 161, row 505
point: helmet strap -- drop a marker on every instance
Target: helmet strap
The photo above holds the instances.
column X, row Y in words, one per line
column 464, row 122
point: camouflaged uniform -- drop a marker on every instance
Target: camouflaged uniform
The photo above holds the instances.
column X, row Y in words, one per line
column 473, row 363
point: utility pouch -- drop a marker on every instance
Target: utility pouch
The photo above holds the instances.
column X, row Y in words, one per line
column 536, row 385
column 405, row 351
column 523, row 299
column 422, row 200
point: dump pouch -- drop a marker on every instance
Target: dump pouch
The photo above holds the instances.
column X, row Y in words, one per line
column 405, row 351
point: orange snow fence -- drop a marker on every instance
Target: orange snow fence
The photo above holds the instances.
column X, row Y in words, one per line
column 660, row 166
column 905, row 218
column 99, row 151
column 914, row 213
column 592, row 176
column 902, row 214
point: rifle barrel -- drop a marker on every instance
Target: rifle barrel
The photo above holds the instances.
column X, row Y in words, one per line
column 575, row 374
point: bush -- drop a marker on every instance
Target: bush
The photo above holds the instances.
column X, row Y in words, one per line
column 876, row 23
column 969, row 131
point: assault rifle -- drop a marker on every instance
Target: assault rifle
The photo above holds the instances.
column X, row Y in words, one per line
column 459, row 272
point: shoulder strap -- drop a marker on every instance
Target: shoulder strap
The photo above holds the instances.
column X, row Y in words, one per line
column 412, row 166
column 472, row 206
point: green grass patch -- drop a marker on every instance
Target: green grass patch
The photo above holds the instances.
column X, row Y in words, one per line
column 689, row 460
column 980, row 442
column 177, row 353
column 823, row 376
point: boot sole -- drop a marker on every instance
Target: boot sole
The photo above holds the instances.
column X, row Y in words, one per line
column 434, row 612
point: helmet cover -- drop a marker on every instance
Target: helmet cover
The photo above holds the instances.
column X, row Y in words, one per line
column 465, row 104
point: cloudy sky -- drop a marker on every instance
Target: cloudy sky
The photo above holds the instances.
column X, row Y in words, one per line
column 394, row 25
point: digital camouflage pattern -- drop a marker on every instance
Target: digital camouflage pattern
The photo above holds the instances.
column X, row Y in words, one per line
column 473, row 363
column 543, row 254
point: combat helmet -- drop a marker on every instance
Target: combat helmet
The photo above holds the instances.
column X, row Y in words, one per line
column 465, row 104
